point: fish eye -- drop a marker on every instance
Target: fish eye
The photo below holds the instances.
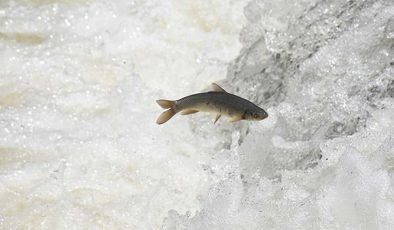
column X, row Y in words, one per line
column 255, row 115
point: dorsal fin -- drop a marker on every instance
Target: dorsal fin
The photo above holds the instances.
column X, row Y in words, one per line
column 217, row 88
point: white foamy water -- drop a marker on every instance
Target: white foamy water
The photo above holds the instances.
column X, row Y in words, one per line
column 79, row 147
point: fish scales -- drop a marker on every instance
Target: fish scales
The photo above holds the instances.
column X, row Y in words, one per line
column 214, row 101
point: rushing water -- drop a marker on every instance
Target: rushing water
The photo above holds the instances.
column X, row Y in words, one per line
column 79, row 147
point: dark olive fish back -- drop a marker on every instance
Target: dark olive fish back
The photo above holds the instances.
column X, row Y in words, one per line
column 216, row 99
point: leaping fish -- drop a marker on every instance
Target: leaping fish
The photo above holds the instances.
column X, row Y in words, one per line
column 216, row 101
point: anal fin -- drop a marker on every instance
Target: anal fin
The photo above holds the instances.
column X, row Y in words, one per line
column 188, row 111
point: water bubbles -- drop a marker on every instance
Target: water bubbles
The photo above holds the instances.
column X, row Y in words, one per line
column 6, row 130
column 389, row 29
column 8, row 22
column 55, row 8
column 67, row 22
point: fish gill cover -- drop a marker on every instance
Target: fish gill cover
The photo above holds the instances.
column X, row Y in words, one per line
column 79, row 148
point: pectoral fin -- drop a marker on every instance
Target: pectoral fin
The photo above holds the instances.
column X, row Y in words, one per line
column 217, row 118
column 188, row 111
column 235, row 118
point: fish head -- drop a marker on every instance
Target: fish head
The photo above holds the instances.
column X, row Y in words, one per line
column 256, row 114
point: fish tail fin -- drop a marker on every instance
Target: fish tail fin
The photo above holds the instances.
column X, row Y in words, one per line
column 166, row 104
column 166, row 115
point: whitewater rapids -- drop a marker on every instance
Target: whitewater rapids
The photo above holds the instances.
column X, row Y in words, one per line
column 80, row 149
